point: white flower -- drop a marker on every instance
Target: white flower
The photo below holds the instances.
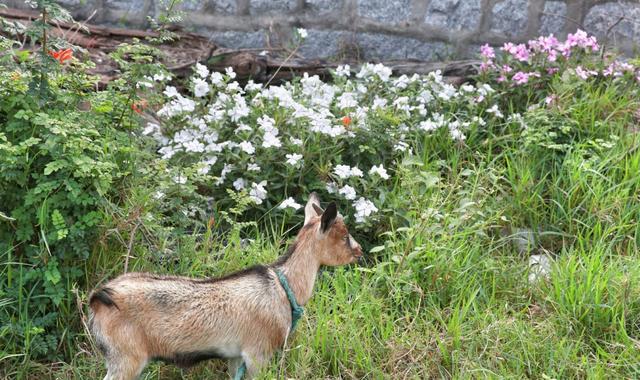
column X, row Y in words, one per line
column 234, row 87
column 356, row 172
column 379, row 170
column 379, row 102
column 447, row 92
column 456, row 134
column 494, row 110
column 402, row 82
column 425, row 97
column 180, row 179
column 290, row 202
column 170, row 92
column 342, row 171
column 382, row 71
column 151, row 128
column 144, row 84
column 295, row 141
column 247, row 147
column 230, row 72
column 202, row 70
column 178, row 105
column 223, row 174
column 402, row 103
column 253, row 167
column 364, row 208
column 293, row 159
column 332, row 188
column 193, row 146
column 242, row 127
column 216, row 78
column 401, row 146
column 343, row 70
column 258, row 193
column 467, row 88
column 302, row 33
column 252, row 86
column 270, row 140
column 200, row 88
column 240, row 109
column 167, row 152
column 239, row 184
column 346, row 100
column 368, row 70
column 348, row 192
column 160, row 77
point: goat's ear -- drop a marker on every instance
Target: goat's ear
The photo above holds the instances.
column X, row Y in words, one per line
column 328, row 217
column 312, row 207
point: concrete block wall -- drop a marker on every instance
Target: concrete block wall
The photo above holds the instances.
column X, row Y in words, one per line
column 381, row 29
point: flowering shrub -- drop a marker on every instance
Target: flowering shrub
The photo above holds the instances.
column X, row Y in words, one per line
column 554, row 80
column 278, row 143
column 527, row 69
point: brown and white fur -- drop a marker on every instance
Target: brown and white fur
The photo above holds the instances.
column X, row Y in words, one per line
column 245, row 316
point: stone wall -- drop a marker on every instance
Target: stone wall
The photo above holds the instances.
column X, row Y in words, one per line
column 380, row 29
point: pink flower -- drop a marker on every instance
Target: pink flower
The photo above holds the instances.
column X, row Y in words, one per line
column 485, row 66
column 565, row 49
column 552, row 56
column 506, row 69
column 501, row 78
column 487, row 51
column 583, row 40
column 551, row 99
column 521, row 53
column 552, row 70
column 548, row 43
column 624, row 66
column 584, row 74
column 520, row 77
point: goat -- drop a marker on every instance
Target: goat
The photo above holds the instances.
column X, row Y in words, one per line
column 245, row 316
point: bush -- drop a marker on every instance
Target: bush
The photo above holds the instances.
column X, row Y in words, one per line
column 62, row 154
column 343, row 139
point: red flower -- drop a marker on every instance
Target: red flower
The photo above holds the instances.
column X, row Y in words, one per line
column 62, row 55
column 346, row 121
column 139, row 106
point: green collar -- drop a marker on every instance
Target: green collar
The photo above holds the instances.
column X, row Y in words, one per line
column 296, row 310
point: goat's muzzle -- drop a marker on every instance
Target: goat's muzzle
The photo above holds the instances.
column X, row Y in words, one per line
column 357, row 252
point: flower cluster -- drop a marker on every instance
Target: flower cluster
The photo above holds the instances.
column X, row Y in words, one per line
column 278, row 143
column 540, row 58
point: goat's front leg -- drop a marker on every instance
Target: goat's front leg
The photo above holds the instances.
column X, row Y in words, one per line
column 234, row 366
column 255, row 361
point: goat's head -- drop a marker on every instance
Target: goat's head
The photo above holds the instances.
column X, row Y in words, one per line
column 334, row 245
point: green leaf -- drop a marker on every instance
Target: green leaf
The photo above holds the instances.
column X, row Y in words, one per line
column 52, row 274
column 379, row 248
column 54, row 166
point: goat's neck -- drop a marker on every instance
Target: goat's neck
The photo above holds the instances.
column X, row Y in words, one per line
column 301, row 270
